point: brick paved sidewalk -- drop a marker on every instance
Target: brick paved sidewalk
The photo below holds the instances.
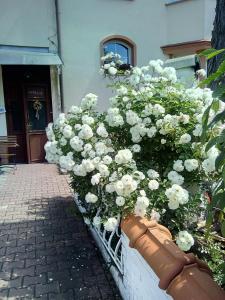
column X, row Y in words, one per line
column 45, row 249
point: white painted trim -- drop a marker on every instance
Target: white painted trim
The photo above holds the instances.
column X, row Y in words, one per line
column 3, row 125
column 55, row 91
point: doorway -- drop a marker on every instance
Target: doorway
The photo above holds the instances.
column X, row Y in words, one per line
column 28, row 109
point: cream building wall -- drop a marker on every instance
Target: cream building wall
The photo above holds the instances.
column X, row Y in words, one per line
column 28, row 23
column 149, row 23
column 84, row 24
column 189, row 20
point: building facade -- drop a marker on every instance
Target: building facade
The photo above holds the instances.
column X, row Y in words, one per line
column 50, row 53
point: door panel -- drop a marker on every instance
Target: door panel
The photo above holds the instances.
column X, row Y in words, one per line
column 36, row 147
column 15, row 119
column 36, row 103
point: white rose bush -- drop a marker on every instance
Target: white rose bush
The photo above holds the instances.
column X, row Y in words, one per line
column 143, row 156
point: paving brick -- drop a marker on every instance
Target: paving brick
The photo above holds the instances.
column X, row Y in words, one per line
column 4, row 294
column 9, row 265
column 27, row 293
column 69, row 295
column 23, row 272
column 45, row 251
column 33, row 280
column 42, row 289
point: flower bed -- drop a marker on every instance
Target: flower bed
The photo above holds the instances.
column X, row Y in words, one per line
column 143, row 156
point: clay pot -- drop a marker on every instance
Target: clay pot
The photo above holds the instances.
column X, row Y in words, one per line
column 195, row 283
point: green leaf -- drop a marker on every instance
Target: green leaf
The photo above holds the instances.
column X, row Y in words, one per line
column 210, row 53
column 223, row 228
column 205, row 119
column 219, row 91
column 218, row 200
column 220, row 160
column 214, row 76
column 212, row 143
column 218, row 117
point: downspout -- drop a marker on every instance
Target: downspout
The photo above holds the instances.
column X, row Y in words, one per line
column 58, row 32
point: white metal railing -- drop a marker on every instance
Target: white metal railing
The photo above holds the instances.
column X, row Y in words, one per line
column 111, row 241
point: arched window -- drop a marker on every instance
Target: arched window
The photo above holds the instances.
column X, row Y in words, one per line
column 120, row 45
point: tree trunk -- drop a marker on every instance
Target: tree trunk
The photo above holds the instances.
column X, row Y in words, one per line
column 218, row 35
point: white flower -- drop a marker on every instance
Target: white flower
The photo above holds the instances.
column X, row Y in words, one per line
column 209, row 163
column 136, row 148
column 89, row 101
column 63, row 141
column 87, row 120
column 101, row 131
column 111, row 224
column 139, row 211
column 142, row 201
column 122, row 90
column 176, row 195
column 185, row 138
column 79, row 170
column 175, row 178
column 123, row 156
column 134, row 79
column 103, row 170
column 95, row 179
column 88, row 165
column 131, row 117
column 120, row 201
column 67, row 131
column 151, row 131
column 152, row 174
column 184, row 118
column 75, row 110
column 191, row 164
column 153, row 184
column 173, row 203
column 184, row 240
column 110, row 188
column 76, row 143
column 66, row 163
column 201, row 73
column 178, row 165
column 163, row 141
column 170, row 74
column 155, row 216
column 91, row 198
column 85, row 132
column 158, row 110
column 96, row 221
column 112, row 71
column 198, row 130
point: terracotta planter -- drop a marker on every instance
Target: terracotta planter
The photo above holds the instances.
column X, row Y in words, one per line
column 135, row 227
column 154, row 243
column 195, row 283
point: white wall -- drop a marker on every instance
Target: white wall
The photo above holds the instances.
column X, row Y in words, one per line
column 85, row 23
column 190, row 20
column 140, row 281
column 3, row 130
column 210, row 6
column 27, row 22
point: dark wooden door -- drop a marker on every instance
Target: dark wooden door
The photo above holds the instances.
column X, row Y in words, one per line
column 37, row 117
column 28, row 109
column 15, row 118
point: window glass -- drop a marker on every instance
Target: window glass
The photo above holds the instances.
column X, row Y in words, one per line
column 118, row 48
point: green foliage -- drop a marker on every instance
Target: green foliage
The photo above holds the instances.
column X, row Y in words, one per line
column 216, row 210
